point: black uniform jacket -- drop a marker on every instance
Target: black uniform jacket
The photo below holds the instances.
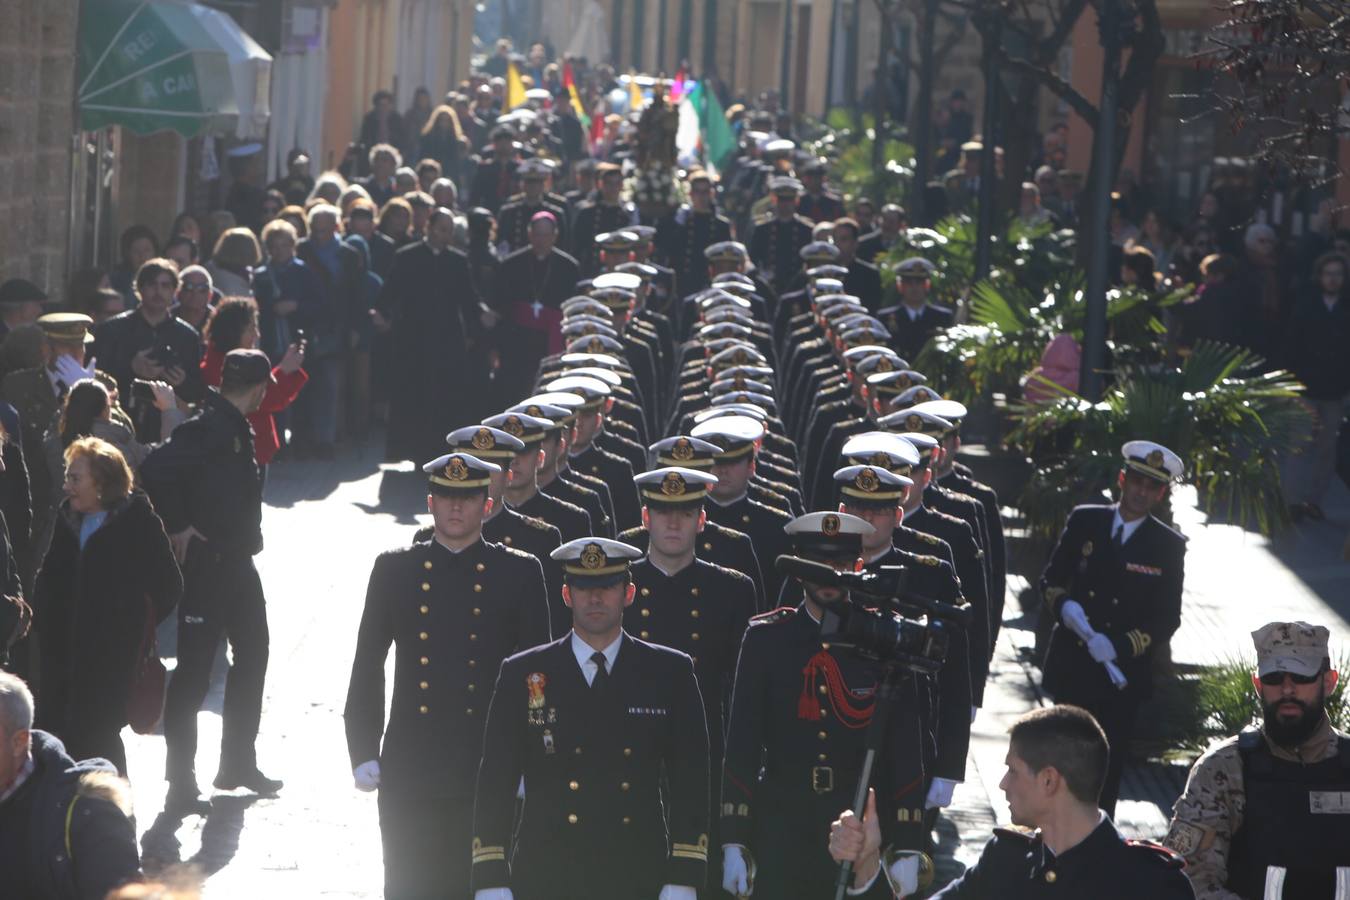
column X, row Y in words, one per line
column 1016, row 865
column 1133, row 597
column 616, row 779
column 452, row 618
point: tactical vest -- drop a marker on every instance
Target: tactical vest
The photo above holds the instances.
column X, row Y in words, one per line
column 1294, row 842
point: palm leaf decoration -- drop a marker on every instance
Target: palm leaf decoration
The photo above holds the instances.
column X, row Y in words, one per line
column 1227, row 420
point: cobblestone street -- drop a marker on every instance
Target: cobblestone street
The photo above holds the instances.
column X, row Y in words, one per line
column 325, row 522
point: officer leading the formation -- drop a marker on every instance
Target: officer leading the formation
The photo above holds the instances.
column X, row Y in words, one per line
column 453, row 606
column 1263, row 814
column 1113, row 587
column 1062, row 844
column 605, row 733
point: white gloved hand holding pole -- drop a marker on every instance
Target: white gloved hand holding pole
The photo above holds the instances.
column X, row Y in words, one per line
column 735, row 871
column 367, row 775
column 1072, row 614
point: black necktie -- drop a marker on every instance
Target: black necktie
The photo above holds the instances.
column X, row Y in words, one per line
column 1118, row 539
column 601, row 679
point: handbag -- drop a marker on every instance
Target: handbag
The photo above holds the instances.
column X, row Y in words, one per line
column 145, row 700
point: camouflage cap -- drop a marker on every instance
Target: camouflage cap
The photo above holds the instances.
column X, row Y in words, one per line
column 1295, row 647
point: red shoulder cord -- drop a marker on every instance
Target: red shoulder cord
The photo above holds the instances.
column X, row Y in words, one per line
column 841, row 701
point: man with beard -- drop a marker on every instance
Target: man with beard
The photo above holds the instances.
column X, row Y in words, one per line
column 1262, row 809
column 1113, row 588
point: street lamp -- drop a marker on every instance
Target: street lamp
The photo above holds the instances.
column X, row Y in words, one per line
column 1116, row 30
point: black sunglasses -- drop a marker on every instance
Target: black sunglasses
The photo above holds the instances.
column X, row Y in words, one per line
column 1275, row 679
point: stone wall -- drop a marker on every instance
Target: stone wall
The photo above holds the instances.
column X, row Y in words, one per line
column 37, row 73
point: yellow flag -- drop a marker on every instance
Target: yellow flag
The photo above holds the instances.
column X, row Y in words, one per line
column 634, row 94
column 515, row 88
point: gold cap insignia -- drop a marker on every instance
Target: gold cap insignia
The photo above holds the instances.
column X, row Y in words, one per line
column 904, row 381
column 1154, row 459
column 881, row 460
column 741, row 357
column 739, row 382
column 456, row 470
column 682, row 450
column 914, row 423
column 829, row 526
column 923, row 395
column 513, row 426
column 592, row 557
column 596, row 345
column 482, row 440
column 885, row 365
column 672, row 485
column 534, row 411
column 867, row 480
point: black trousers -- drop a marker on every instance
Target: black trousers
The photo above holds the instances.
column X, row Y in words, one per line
column 1116, row 713
column 427, row 845
column 87, row 740
column 222, row 597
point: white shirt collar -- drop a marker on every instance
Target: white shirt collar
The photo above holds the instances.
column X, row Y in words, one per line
column 1130, row 527
column 582, row 651
column 25, row 772
column 732, row 502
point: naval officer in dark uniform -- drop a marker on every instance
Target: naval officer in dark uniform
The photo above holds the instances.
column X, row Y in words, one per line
column 1061, row 844
column 522, row 485
column 606, row 734
column 913, row 320
column 1113, row 586
column 795, row 743
column 453, row 607
column 776, row 243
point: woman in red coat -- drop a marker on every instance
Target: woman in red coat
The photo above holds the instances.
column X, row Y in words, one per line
column 234, row 325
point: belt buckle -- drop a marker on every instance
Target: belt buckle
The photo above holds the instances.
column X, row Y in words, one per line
column 822, row 779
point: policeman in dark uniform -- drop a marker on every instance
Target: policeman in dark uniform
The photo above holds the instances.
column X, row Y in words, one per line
column 522, row 486
column 818, row 203
column 1258, row 808
column 690, row 604
column 913, row 320
column 608, row 734
column 1056, row 764
column 607, row 212
column 513, row 221
column 717, row 544
column 1113, row 587
column 777, row 241
column 453, row 607
column 795, row 742
column 682, row 237
column 560, row 483
column 874, row 493
column 205, row 485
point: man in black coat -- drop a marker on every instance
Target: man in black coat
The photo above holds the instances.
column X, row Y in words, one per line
column 890, row 230
column 1113, row 588
column 495, row 177
column 608, row 212
column 777, row 241
column 453, row 607
column 66, row 824
column 913, row 321
column 863, row 280
column 795, row 742
column 433, row 305
column 530, row 287
column 553, row 476
column 684, row 235
column 205, row 485
column 518, row 212
column 607, row 734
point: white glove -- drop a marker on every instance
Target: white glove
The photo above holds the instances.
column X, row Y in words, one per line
column 1117, row 677
column 904, row 874
column 1071, row 612
column 678, row 892
column 1101, row 648
column 940, row 793
column 70, row 371
column 493, row 894
column 735, row 874
column 974, row 711
column 367, row 775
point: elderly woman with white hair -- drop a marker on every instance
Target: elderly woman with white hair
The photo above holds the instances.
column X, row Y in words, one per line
column 196, row 295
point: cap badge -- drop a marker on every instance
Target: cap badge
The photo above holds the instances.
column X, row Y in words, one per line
column 914, row 423
column 904, row 381
column 867, row 481
column 513, row 426
column 534, row 411
column 829, row 526
column 592, row 557
column 881, row 460
column 739, row 382
column 1154, row 459
column 1087, row 548
column 672, row 485
column 923, row 395
column 456, row 470
column 482, row 440
column 740, row 357
column 596, row 345
column 885, row 365
column 683, row 450
column 535, row 682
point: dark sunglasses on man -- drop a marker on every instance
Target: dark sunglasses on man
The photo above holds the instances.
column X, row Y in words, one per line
column 1275, row 679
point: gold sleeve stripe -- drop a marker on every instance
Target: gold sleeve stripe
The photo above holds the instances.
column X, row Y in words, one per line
column 700, row 855
column 489, row 857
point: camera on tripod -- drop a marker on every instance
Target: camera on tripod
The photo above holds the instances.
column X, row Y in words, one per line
column 904, row 627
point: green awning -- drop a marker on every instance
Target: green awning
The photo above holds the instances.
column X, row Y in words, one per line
column 149, row 65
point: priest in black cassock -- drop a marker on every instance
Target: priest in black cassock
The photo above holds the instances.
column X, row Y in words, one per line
column 531, row 285
column 438, row 379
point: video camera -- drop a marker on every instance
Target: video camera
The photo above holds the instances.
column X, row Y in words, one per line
column 909, row 629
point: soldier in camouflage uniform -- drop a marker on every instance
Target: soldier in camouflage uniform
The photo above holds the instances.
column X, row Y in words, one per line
column 1264, row 812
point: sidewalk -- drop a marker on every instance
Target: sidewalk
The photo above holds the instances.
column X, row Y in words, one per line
column 1236, row 581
